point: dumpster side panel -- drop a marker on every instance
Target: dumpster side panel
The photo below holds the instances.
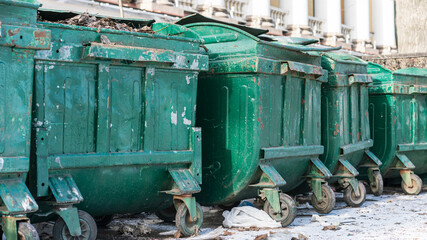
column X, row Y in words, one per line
column 227, row 111
column 69, row 106
column 382, row 112
column 174, row 103
column 15, row 102
column 271, row 110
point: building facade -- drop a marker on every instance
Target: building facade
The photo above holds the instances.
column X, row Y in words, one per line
column 366, row 26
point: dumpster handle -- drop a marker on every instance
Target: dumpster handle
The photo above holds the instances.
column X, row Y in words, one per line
column 136, row 54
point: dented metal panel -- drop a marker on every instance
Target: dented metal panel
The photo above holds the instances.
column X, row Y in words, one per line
column 19, row 38
column 116, row 112
column 345, row 118
column 398, row 110
column 259, row 109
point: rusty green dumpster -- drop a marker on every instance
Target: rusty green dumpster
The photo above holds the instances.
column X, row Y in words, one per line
column 399, row 123
column 113, row 124
column 259, row 108
column 19, row 40
column 346, row 131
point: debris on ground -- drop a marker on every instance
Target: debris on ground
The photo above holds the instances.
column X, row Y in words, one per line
column 137, row 229
column 87, row 20
column 261, row 237
column 331, row 227
column 247, row 217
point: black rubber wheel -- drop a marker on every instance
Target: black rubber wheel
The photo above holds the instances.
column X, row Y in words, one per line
column 103, row 221
column 27, row 231
column 183, row 223
column 87, row 224
column 350, row 197
column 229, row 206
column 417, row 185
column 289, row 210
column 377, row 186
column 167, row 214
column 328, row 200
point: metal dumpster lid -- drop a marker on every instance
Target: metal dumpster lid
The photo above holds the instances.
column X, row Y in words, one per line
column 344, row 58
column 419, row 72
column 288, row 40
column 374, row 68
column 56, row 15
column 197, row 18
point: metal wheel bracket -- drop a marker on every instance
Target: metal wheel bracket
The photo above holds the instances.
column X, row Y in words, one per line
column 346, row 169
column 184, row 182
column 190, row 202
column 273, row 197
column 10, row 225
column 371, row 175
column 316, row 187
column 372, row 159
column 403, row 162
column 318, row 169
column 270, row 178
column 406, row 177
column 354, row 183
column 71, row 218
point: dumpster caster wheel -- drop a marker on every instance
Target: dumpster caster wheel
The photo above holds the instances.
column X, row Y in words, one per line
column 350, row 196
column 377, row 186
column 27, row 231
column 417, row 184
column 183, row 222
column 229, row 206
column 103, row 221
column 87, row 224
column 289, row 210
column 328, row 200
column 168, row 214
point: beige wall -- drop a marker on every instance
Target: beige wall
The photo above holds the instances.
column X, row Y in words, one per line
column 411, row 26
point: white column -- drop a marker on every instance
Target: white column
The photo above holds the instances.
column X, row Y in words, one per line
column 258, row 8
column 357, row 16
column 297, row 11
column 383, row 23
column 329, row 11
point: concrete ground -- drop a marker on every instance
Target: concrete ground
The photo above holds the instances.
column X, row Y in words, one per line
column 390, row 216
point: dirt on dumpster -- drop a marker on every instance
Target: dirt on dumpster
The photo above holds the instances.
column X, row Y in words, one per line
column 87, row 20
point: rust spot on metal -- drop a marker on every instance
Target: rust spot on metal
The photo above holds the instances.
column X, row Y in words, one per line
column 13, row 32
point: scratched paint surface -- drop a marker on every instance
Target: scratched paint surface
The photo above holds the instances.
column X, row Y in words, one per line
column 398, row 115
column 116, row 116
column 248, row 103
column 345, row 114
column 19, row 38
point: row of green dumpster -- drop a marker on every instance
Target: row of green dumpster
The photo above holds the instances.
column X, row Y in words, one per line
column 98, row 121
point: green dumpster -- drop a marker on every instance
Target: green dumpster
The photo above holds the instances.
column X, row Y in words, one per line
column 19, row 40
column 113, row 124
column 398, row 113
column 346, row 131
column 259, row 108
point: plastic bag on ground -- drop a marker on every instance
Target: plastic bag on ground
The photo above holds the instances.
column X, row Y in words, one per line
column 248, row 217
